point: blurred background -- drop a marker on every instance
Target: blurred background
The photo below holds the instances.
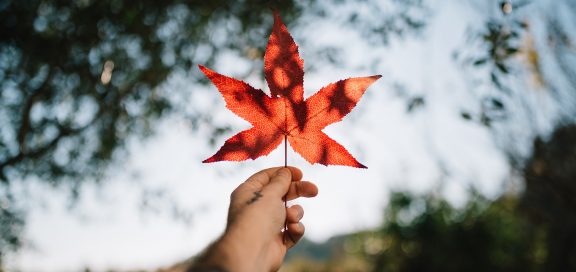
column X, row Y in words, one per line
column 469, row 137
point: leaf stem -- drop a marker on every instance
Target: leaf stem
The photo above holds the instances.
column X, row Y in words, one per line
column 286, row 233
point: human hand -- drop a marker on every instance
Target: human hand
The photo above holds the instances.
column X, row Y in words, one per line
column 253, row 240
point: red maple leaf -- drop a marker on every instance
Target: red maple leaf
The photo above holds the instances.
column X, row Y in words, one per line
column 285, row 115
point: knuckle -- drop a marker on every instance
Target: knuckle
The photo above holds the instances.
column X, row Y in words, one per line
column 283, row 173
column 298, row 188
column 235, row 193
column 298, row 209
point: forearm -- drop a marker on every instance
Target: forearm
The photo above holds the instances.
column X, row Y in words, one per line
column 231, row 253
column 211, row 260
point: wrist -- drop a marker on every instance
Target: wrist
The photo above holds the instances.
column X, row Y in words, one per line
column 242, row 250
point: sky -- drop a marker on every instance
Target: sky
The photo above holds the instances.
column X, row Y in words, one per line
column 107, row 230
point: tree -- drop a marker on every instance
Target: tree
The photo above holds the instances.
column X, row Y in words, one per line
column 524, row 63
column 549, row 197
column 78, row 79
column 426, row 233
column 521, row 65
column 87, row 74
column 482, row 236
column 532, row 64
column 534, row 230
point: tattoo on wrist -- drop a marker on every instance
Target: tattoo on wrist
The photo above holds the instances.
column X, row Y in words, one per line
column 254, row 198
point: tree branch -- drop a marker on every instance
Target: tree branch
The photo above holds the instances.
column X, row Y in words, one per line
column 25, row 119
column 38, row 152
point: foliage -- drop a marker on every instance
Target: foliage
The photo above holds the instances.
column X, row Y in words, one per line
column 11, row 227
column 87, row 74
column 428, row 234
column 531, row 231
column 482, row 236
column 518, row 54
column 550, row 196
column 79, row 78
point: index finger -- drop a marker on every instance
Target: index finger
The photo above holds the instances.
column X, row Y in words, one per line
column 263, row 177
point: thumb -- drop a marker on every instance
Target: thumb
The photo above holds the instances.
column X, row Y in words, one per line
column 279, row 183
